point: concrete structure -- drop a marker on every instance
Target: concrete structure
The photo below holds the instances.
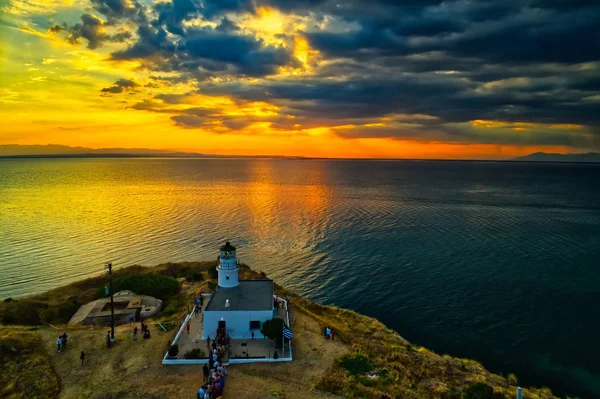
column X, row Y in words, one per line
column 128, row 307
column 241, row 307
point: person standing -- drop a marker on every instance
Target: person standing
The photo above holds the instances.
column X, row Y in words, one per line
column 135, row 330
column 59, row 344
column 188, row 328
column 205, row 372
column 82, row 357
column 208, row 342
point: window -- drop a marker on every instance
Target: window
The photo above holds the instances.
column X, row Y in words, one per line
column 255, row 325
column 227, row 277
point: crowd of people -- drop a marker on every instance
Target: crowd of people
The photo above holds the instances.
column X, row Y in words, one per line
column 214, row 372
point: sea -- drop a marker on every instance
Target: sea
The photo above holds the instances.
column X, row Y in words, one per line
column 495, row 261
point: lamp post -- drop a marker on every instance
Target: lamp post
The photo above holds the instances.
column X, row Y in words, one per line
column 108, row 266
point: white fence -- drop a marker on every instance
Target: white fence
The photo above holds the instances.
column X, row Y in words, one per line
column 289, row 358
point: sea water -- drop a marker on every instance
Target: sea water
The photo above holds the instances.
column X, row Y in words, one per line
column 497, row 261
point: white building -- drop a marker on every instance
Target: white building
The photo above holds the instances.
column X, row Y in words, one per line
column 241, row 307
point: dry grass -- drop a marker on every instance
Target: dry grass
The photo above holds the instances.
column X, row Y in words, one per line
column 133, row 369
column 26, row 371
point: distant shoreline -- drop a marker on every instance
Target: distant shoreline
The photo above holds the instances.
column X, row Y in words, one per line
column 63, row 151
column 232, row 157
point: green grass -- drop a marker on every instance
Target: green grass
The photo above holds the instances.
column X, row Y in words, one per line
column 152, row 284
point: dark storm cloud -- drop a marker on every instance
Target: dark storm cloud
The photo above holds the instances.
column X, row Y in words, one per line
column 207, row 52
column 116, row 10
column 453, row 61
column 91, row 28
column 121, row 86
column 56, row 28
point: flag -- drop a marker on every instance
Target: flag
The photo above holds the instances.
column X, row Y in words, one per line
column 287, row 333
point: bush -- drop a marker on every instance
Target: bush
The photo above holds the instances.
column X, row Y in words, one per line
column 194, row 275
column 356, row 364
column 478, row 390
column 273, row 329
column 195, row 353
column 512, row 379
column 151, row 284
column 211, row 285
column 173, row 350
column 214, row 274
column 25, row 312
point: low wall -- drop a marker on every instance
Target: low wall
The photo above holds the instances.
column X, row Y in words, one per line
column 166, row 360
column 231, row 361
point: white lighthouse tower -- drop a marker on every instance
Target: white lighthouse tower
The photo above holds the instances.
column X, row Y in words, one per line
column 227, row 267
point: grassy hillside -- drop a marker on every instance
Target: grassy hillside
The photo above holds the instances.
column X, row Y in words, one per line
column 26, row 368
column 367, row 360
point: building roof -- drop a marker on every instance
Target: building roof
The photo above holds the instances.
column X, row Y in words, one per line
column 247, row 295
column 227, row 247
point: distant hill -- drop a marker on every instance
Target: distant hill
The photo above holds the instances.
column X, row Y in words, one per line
column 53, row 150
column 63, row 151
column 549, row 157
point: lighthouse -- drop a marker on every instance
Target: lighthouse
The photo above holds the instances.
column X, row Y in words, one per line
column 228, row 268
column 238, row 307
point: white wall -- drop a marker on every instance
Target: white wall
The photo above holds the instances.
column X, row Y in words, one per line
column 237, row 322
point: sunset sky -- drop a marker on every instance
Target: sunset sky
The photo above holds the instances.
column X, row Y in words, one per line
column 378, row 78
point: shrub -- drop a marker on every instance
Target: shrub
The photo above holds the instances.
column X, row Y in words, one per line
column 9, row 299
column 195, row 353
column 512, row 379
column 173, row 350
column 478, row 390
column 194, row 275
column 25, row 312
column 356, row 364
column 214, row 274
column 151, row 284
column 273, row 329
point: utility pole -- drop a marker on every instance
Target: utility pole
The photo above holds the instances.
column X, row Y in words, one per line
column 112, row 303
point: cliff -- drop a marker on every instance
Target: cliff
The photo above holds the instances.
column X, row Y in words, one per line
column 367, row 360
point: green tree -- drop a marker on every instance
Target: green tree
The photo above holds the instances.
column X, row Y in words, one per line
column 273, row 329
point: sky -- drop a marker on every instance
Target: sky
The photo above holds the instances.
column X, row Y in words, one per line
column 487, row 79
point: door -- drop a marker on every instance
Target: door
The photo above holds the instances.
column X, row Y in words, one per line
column 222, row 325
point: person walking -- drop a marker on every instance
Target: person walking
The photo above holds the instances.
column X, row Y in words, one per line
column 188, row 328
column 82, row 357
column 205, row 372
column 59, row 344
column 208, row 342
column 135, row 330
